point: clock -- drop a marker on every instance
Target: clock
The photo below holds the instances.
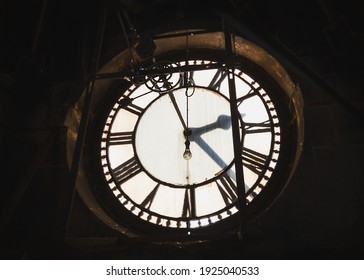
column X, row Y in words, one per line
column 160, row 155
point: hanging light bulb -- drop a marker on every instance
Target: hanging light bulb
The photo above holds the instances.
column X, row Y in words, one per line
column 187, row 155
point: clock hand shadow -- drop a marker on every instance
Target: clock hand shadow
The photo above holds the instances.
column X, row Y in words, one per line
column 214, row 156
column 222, row 122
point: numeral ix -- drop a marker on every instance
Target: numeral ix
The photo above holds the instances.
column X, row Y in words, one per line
column 120, row 138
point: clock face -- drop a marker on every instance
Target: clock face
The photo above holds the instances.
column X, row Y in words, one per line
column 210, row 127
column 166, row 152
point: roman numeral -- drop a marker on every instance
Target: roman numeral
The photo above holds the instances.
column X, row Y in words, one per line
column 127, row 104
column 252, row 128
column 251, row 93
column 120, row 138
column 218, row 78
column 253, row 160
column 185, row 79
column 190, row 75
column 126, row 170
column 228, row 189
column 132, row 108
column 147, row 202
column 189, row 204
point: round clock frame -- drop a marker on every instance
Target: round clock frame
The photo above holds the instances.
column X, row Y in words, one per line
column 97, row 181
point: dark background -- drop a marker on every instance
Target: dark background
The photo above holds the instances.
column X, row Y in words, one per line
column 45, row 50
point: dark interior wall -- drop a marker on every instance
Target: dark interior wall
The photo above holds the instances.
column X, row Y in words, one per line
column 319, row 215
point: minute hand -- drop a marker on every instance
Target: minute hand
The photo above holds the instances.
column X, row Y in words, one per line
column 175, row 105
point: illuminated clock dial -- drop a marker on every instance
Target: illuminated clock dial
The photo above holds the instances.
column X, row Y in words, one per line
column 143, row 145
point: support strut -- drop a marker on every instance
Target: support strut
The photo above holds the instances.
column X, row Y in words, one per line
column 236, row 132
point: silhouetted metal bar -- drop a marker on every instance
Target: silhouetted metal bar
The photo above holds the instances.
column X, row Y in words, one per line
column 81, row 135
column 236, row 131
column 183, row 34
column 123, row 28
column 150, row 72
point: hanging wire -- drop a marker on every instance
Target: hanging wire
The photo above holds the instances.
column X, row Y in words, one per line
column 186, row 84
column 187, row 111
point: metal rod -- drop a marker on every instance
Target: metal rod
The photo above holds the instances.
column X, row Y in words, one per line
column 123, row 28
column 86, row 108
column 236, row 132
column 188, row 33
column 171, row 70
column 125, row 35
